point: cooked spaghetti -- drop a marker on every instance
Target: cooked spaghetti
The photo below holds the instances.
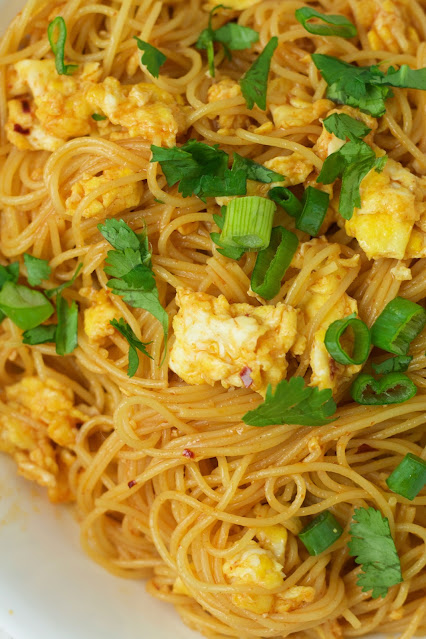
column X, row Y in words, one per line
column 169, row 482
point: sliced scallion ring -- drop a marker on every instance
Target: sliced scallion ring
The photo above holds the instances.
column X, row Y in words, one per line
column 361, row 347
column 393, row 388
column 248, row 223
column 286, row 199
column 398, row 324
column 321, row 533
column 315, row 205
column 272, row 263
column 409, row 477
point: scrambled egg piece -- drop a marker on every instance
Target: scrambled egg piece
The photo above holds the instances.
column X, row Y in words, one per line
column 254, row 565
column 388, row 25
column 391, row 204
column 236, row 344
column 58, row 109
column 288, row 109
column 143, row 109
column 274, row 539
column 39, row 431
column 109, row 203
column 328, row 143
column 97, row 317
column 326, row 372
column 293, row 598
column 224, row 90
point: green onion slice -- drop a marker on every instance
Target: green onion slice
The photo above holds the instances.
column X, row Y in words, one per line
column 272, row 263
column 315, row 205
column 397, row 325
column 361, row 347
column 286, row 199
column 321, row 533
column 398, row 364
column 58, row 46
column 25, row 307
column 248, row 223
column 409, row 477
column 393, row 388
column 341, row 26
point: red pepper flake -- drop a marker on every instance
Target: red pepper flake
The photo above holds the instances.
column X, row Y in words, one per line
column 132, row 483
column 26, row 108
column 19, row 129
column 246, row 376
column 365, row 448
column 188, row 453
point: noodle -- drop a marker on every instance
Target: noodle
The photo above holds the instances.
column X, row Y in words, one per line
column 167, row 478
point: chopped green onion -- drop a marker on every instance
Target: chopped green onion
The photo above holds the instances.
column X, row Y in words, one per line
column 398, row 364
column 341, row 26
column 58, row 46
column 286, row 199
column 248, row 223
column 315, row 205
column 361, row 347
column 393, row 388
column 25, row 307
column 98, row 117
column 409, row 477
column 397, row 325
column 66, row 331
column 321, row 533
column 272, row 263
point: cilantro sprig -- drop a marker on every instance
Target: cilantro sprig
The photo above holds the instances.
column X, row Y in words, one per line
column 152, row 58
column 372, row 546
column 351, row 162
column 135, row 344
column 254, row 83
column 335, row 25
column 129, row 265
column 232, row 36
column 293, row 403
column 202, row 170
column 37, row 269
column 365, row 87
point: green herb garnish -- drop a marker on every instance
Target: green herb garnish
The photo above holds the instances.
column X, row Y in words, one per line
column 40, row 335
column 293, row 403
column 37, row 269
column 25, row 307
column 67, row 329
column 98, row 117
column 339, row 25
column 372, row 546
column 135, row 344
column 254, row 83
column 152, row 58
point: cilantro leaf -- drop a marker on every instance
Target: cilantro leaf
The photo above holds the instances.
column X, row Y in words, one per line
column 255, row 171
column 152, row 58
column 372, row 546
column 25, row 307
column 232, row 183
column 398, row 364
column 37, row 269
column 232, row 36
column 66, row 331
column 365, row 87
column 341, row 26
column 189, row 163
column 351, row 162
column 135, row 344
column 293, row 403
column 58, row 290
column 254, row 82
column 9, row 273
column 40, row 335
column 343, row 126
column 130, row 266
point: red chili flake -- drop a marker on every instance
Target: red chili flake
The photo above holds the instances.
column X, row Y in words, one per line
column 132, row 483
column 246, row 376
column 19, row 129
column 26, row 106
column 188, row 453
column 365, row 448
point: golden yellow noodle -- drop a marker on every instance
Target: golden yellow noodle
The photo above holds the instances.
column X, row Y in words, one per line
column 146, row 509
